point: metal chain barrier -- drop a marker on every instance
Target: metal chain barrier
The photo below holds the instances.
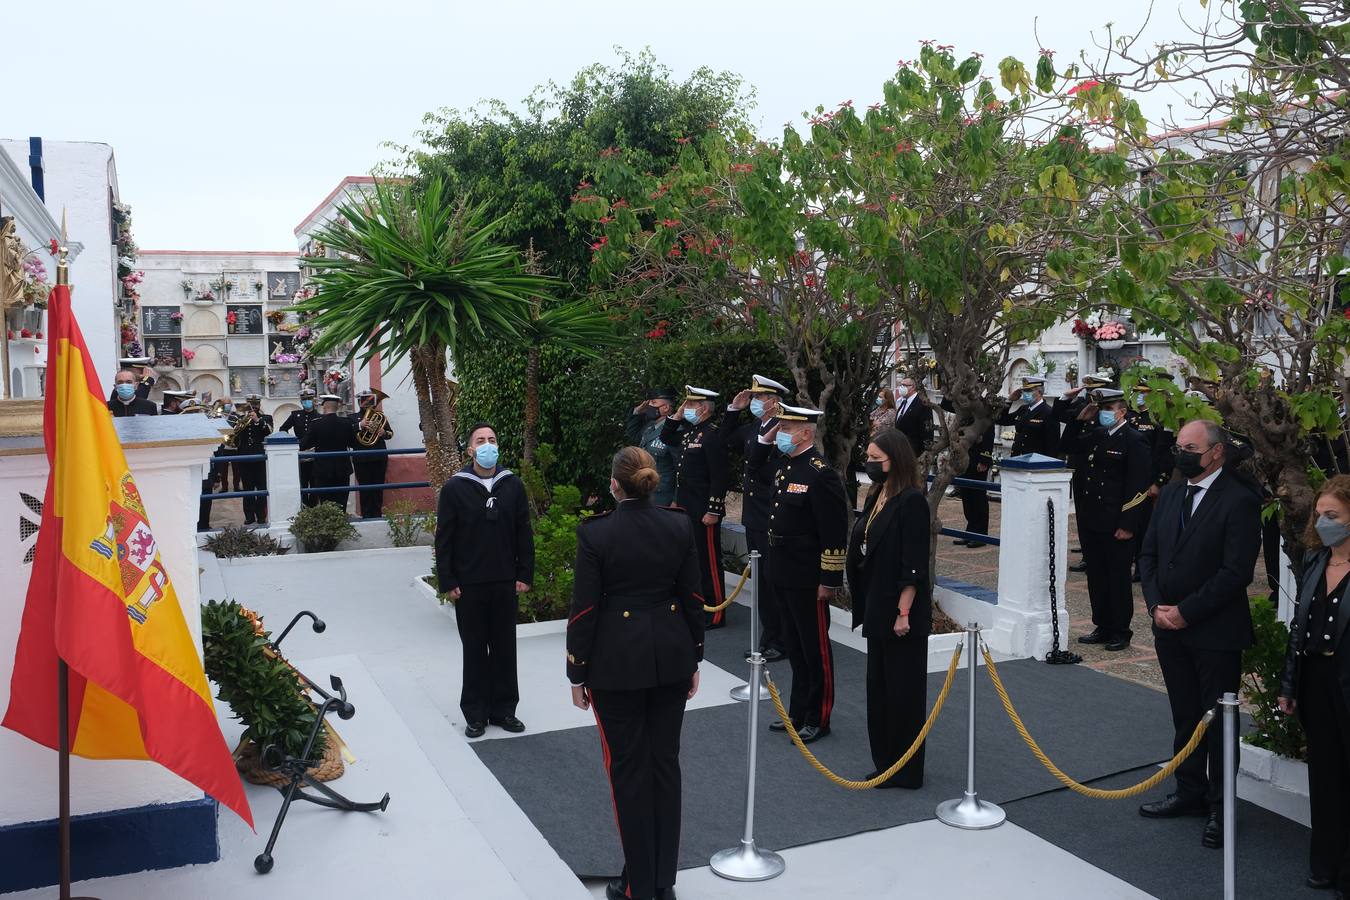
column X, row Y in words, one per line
column 1095, row 793
column 731, row 599
column 899, row 763
column 1056, row 656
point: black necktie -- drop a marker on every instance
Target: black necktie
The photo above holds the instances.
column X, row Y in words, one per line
column 1191, row 491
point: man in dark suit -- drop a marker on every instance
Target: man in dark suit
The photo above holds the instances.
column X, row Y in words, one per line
column 1198, row 558
column 1037, row 430
column 913, row 416
column 331, row 433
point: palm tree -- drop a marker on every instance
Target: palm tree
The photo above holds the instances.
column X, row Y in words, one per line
column 417, row 275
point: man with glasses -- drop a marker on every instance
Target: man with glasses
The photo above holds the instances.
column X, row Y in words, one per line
column 913, row 416
column 1198, row 560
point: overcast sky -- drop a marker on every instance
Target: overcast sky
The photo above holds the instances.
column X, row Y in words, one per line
column 231, row 121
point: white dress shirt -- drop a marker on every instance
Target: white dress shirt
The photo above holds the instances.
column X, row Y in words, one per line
column 1203, row 484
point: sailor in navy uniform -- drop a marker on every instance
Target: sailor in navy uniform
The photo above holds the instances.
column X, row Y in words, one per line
column 762, row 399
column 808, row 544
column 253, row 473
column 1160, row 441
column 297, row 423
column 330, row 433
column 634, row 642
column 174, row 401
column 1037, row 430
column 694, row 436
column 1110, row 510
column 1066, row 410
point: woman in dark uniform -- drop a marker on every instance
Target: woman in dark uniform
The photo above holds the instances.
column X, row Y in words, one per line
column 888, row 579
column 634, row 642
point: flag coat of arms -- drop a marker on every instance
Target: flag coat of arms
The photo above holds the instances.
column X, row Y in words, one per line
column 101, row 599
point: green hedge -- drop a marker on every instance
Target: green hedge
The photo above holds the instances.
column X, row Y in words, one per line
column 584, row 403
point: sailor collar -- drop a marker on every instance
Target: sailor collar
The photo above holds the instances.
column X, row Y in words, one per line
column 488, row 483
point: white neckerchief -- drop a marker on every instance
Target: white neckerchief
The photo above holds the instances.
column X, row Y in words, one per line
column 488, row 483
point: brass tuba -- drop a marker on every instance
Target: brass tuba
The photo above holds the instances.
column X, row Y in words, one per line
column 238, row 421
column 373, row 422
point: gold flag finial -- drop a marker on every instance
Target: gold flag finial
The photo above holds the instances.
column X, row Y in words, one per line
column 63, row 257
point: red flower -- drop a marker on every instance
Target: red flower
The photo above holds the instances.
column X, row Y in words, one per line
column 53, row 247
column 741, row 168
column 9, row 333
column 669, row 223
column 38, row 335
column 682, row 140
column 673, row 251
column 600, row 243
column 1084, row 86
column 605, row 220
column 25, row 333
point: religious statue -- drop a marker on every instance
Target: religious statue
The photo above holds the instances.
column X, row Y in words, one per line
column 11, row 265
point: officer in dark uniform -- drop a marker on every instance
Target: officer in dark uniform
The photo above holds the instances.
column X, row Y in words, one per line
column 331, row 433
column 634, row 642
column 1110, row 510
column 695, row 438
column 127, row 400
column 1160, row 441
column 1066, row 410
column 298, row 423
column 808, row 543
column 253, row 473
column 371, row 469
column 644, row 430
column 1037, row 430
column 174, row 402
column 762, row 399
column 979, row 463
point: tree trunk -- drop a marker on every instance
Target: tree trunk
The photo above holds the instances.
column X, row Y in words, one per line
column 531, row 403
column 436, row 405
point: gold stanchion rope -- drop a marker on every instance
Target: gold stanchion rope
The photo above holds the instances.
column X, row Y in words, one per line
column 734, row 594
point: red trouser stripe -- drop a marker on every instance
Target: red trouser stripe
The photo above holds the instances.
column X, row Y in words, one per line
column 604, row 750
column 827, row 696
column 715, row 569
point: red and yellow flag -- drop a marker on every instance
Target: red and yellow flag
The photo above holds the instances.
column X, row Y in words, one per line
column 101, row 599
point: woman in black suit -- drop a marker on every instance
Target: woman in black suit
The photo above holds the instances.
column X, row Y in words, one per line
column 634, row 642
column 1316, row 683
column 888, row 580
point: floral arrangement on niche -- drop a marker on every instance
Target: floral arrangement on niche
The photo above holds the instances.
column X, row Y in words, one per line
column 335, row 376
column 176, row 316
column 206, row 296
column 186, row 286
column 1097, row 327
column 189, row 355
column 231, row 319
column 35, row 285
column 283, row 358
column 276, row 317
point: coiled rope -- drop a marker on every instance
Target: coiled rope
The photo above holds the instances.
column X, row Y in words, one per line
column 899, row 763
column 1095, row 793
column 734, row 594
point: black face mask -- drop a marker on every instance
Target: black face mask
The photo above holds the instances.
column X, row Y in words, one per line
column 875, row 472
column 1189, row 464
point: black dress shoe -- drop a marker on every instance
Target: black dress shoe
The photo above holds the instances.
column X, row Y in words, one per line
column 508, row 723
column 1213, row 834
column 770, row 654
column 1173, row 807
column 777, row 725
column 665, row 893
column 959, row 541
column 1095, row 636
column 1318, row 883
column 811, row 733
column 615, row 890
column 1118, row 642
column 475, row 729
column 895, row 782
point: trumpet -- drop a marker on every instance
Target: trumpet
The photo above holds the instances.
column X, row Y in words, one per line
column 373, row 423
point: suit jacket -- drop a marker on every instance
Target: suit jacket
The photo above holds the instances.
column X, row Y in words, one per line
column 1314, row 568
column 896, row 558
column 1205, row 569
column 916, row 424
column 636, row 621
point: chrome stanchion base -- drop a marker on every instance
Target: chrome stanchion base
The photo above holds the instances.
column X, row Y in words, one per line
column 970, row 812
column 742, row 692
column 747, row 863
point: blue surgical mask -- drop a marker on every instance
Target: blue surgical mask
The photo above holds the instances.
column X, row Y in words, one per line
column 691, row 416
column 877, row 402
column 1028, row 397
column 307, row 404
column 757, row 408
column 126, row 391
column 486, row 455
column 783, row 441
column 1107, row 418
column 228, row 407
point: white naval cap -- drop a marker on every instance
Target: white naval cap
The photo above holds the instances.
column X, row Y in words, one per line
column 692, row 393
column 799, row 414
column 761, row 385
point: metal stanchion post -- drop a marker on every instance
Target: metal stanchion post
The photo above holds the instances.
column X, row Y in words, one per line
column 1230, row 753
column 747, row 862
column 970, row 811
column 742, row 691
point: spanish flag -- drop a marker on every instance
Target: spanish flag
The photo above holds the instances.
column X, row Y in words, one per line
column 101, row 599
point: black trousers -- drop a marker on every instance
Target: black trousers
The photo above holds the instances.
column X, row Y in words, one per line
column 307, row 481
column 334, row 478
column 709, row 551
column 1326, row 721
column 254, row 477
column 975, row 505
column 897, row 702
column 204, row 505
column 1108, row 576
column 806, row 626
column 371, row 471
column 1270, row 553
column 1196, row 680
column 770, row 610
column 486, row 616
column 1077, row 489
column 1143, row 529
column 640, row 740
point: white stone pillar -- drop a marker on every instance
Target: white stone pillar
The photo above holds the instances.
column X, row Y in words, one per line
column 1028, row 483
column 283, row 478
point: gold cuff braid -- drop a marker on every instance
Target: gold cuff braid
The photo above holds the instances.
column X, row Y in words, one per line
column 832, row 560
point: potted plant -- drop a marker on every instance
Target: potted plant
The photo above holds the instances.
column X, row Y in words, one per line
column 320, row 528
column 205, row 298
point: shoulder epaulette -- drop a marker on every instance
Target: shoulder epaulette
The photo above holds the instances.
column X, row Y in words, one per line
column 818, row 462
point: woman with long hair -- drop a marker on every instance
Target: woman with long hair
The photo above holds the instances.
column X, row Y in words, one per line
column 1316, row 682
column 882, row 415
column 634, row 642
column 888, row 580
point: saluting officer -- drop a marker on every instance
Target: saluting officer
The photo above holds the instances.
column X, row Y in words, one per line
column 298, row 423
column 173, row 402
column 644, row 430
column 370, row 469
column 696, row 440
column 762, row 399
column 1110, row 511
column 253, row 473
column 1066, row 410
column 329, row 434
column 808, row 540
column 1037, row 430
